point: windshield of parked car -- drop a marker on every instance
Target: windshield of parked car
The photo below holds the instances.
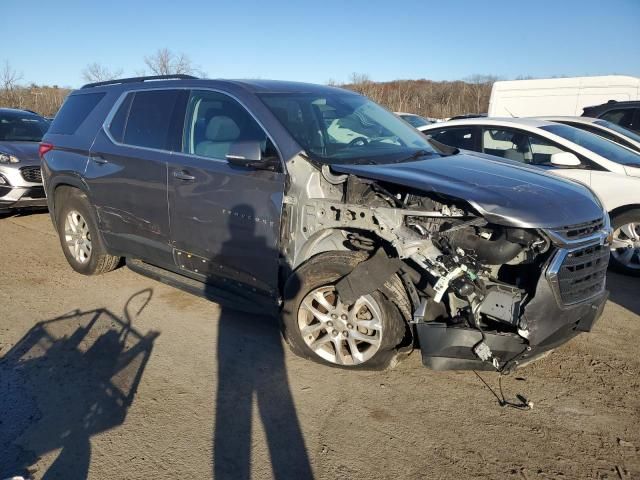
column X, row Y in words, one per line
column 621, row 130
column 415, row 120
column 603, row 147
column 336, row 127
column 22, row 127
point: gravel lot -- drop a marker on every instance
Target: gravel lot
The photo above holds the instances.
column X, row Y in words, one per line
column 122, row 377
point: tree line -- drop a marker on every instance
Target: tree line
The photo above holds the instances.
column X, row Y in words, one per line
column 439, row 99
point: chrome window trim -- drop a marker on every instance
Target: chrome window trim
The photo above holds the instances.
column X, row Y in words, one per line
column 109, row 118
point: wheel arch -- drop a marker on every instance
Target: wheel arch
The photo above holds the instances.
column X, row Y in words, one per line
column 69, row 181
column 624, row 209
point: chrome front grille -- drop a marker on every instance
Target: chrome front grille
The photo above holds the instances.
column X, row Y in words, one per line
column 580, row 230
column 581, row 273
column 31, row 174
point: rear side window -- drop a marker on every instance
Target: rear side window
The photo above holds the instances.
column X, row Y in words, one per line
column 622, row 117
column 151, row 119
column 74, row 111
column 460, row 137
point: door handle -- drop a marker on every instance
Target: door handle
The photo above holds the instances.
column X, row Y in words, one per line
column 182, row 175
column 98, row 159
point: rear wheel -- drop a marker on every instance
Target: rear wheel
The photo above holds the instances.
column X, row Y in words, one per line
column 318, row 325
column 79, row 236
column 625, row 247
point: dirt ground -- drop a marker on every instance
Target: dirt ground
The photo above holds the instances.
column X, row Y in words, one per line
column 122, row 377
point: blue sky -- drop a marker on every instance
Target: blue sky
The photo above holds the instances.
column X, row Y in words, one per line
column 51, row 42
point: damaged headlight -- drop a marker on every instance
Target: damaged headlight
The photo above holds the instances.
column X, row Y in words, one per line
column 6, row 158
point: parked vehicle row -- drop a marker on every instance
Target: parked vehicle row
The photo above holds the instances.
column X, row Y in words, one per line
column 317, row 203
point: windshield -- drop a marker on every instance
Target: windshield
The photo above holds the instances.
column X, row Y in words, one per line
column 22, row 127
column 336, row 127
column 605, row 148
column 415, row 120
column 617, row 128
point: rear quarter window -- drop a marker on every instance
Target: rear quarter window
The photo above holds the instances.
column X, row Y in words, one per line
column 74, row 112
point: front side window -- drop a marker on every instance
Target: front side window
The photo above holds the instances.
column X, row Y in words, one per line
column 518, row 145
column 460, row 137
column 342, row 127
column 22, row 127
column 150, row 119
column 603, row 147
column 215, row 121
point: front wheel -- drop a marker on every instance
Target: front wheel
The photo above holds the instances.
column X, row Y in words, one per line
column 625, row 247
column 319, row 326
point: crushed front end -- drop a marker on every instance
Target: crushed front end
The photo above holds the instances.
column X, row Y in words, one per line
column 520, row 311
column 482, row 294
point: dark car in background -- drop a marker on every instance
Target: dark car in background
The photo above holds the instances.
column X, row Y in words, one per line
column 626, row 114
column 318, row 205
column 20, row 180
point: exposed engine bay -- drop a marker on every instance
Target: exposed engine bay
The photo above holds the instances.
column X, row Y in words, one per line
column 469, row 281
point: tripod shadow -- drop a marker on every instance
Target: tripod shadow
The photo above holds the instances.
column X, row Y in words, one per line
column 66, row 380
column 251, row 367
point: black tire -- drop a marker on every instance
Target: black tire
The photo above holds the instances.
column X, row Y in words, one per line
column 326, row 269
column 99, row 261
column 617, row 221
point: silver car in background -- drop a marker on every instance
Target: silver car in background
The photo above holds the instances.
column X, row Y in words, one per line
column 20, row 177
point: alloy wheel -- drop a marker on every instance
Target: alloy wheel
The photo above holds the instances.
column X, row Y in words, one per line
column 339, row 333
column 625, row 247
column 77, row 237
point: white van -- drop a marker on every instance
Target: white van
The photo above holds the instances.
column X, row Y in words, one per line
column 559, row 96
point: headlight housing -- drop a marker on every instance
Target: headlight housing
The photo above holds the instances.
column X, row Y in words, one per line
column 6, row 158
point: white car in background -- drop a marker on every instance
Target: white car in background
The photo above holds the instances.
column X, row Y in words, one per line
column 611, row 170
column 602, row 128
column 416, row 121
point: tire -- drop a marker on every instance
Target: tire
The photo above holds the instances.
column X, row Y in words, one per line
column 381, row 308
column 626, row 260
column 95, row 260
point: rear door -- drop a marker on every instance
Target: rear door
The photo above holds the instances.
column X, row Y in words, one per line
column 225, row 219
column 127, row 172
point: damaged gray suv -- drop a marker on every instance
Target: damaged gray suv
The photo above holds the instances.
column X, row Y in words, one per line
column 317, row 204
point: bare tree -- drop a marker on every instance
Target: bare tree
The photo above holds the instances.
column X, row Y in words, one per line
column 94, row 72
column 166, row 62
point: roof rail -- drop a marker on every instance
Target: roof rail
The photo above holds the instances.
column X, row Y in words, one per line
column 140, row 79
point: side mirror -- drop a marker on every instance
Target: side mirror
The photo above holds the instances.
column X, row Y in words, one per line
column 565, row 159
column 245, row 154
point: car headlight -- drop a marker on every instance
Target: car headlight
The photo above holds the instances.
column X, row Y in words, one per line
column 6, row 158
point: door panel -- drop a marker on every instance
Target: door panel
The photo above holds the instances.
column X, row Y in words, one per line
column 128, row 183
column 225, row 220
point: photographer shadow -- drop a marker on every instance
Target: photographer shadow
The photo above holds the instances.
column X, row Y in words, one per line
column 251, row 366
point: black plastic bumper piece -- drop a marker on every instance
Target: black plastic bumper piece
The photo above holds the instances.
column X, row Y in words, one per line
column 451, row 348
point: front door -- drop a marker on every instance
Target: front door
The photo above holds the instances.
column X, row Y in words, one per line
column 225, row 219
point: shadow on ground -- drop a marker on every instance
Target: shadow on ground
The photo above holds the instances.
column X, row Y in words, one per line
column 624, row 290
column 66, row 380
column 251, row 366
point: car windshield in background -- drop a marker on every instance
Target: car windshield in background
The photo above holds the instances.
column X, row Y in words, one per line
column 605, row 148
column 617, row 128
column 22, row 127
column 415, row 120
column 346, row 128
